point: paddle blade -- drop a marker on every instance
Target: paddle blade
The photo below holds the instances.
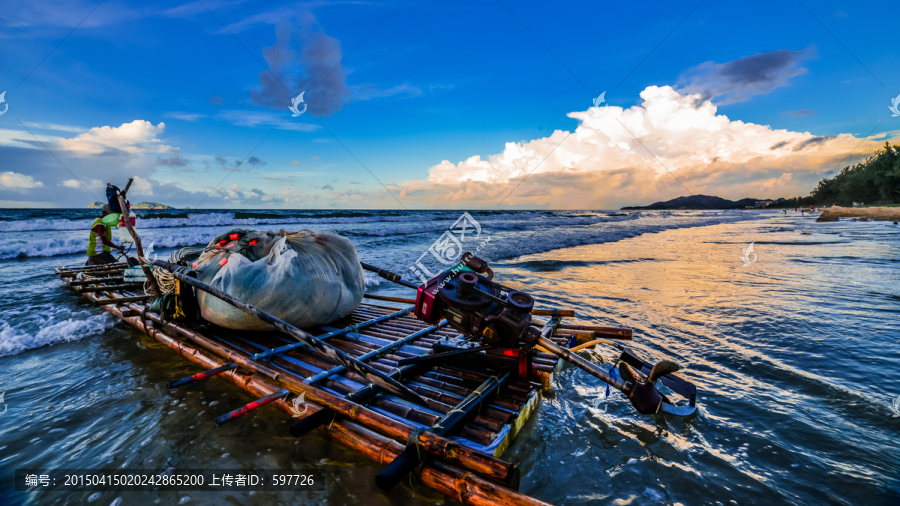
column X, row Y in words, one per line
column 672, row 409
column 661, row 369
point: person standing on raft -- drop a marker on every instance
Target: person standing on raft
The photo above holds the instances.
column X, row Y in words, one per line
column 100, row 242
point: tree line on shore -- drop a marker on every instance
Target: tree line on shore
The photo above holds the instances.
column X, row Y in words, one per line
column 874, row 180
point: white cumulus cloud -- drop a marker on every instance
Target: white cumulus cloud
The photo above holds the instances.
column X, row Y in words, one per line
column 631, row 155
column 16, row 181
column 139, row 136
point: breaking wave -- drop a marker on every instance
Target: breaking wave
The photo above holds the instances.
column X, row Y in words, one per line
column 61, row 325
column 195, row 220
column 240, row 218
column 524, row 233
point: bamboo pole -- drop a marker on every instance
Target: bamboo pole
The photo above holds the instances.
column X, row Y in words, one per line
column 140, row 250
column 604, row 332
column 388, row 299
column 388, row 275
column 592, row 369
column 549, row 312
column 137, row 245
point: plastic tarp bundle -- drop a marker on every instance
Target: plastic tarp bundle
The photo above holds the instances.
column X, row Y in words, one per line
column 304, row 278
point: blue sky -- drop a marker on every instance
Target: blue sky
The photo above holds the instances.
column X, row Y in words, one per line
column 428, row 82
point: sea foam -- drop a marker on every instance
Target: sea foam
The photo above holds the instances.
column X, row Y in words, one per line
column 52, row 329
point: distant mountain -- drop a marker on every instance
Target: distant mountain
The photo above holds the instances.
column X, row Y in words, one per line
column 150, row 205
column 696, row 202
column 96, row 205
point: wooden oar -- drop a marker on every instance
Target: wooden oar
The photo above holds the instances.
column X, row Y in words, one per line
column 154, row 286
column 643, row 395
column 315, row 344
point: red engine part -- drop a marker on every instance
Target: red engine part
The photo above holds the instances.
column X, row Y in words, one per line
column 427, row 302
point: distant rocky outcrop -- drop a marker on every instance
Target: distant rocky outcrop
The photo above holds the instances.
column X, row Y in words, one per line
column 96, row 205
column 150, row 205
column 696, row 202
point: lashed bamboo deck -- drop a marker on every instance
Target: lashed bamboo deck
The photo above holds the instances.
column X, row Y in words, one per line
column 466, row 467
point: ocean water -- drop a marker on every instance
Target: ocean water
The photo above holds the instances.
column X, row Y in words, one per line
column 794, row 353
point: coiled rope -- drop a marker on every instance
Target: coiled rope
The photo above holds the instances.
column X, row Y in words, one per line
column 165, row 279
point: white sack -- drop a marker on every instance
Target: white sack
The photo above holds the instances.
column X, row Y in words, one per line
column 304, row 278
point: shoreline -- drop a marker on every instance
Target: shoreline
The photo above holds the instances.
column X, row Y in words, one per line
column 834, row 213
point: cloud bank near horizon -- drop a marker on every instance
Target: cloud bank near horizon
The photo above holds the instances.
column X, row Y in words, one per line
column 674, row 143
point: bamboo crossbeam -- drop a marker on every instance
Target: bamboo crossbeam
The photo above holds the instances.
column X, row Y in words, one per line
column 449, row 424
column 282, row 349
column 361, row 396
column 95, row 281
column 200, row 376
column 66, row 270
column 243, row 410
column 65, row 275
column 121, row 300
column 105, row 288
column 380, row 351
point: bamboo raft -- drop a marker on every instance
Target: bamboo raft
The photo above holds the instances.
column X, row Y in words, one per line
column 465, row 466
